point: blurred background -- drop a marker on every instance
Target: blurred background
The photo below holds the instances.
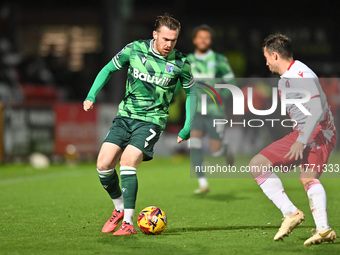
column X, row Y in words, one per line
column 51, row 51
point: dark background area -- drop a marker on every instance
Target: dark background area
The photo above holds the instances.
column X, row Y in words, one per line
column 64, row 44
column 52, row 50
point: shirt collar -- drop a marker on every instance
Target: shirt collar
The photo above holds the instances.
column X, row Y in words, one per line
column 292, row 63
column 203, row 56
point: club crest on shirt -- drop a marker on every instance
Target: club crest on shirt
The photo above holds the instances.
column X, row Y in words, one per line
column 287, row 84
column 119, row 53
column 169, row 67
column 211, row 64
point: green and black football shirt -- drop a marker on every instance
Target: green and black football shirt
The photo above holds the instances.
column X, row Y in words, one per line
column 151, row 81
column 212, row 68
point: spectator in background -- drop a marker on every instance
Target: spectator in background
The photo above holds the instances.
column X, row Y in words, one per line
column 9, row 85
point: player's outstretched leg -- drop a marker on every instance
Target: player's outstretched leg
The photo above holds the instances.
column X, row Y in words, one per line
column 196, row 157
column 318, row 205
column 272, row 187
column 107, row 159
column 110, row 181
column 129, row 188
column 129, row 162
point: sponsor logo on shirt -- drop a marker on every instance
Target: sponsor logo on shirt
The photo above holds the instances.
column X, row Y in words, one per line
column 150, row 78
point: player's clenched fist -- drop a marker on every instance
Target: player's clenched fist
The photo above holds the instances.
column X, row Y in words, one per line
column 88, row 105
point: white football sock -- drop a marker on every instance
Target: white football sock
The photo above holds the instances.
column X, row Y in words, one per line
column 119, row 203
column 318, row 204
column 218, row 153
column 203, row 182
column 272, row 186
column 128, row 215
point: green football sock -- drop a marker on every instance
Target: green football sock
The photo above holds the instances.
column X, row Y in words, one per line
column 110, row 181
column 129, row 186
column 196, row 157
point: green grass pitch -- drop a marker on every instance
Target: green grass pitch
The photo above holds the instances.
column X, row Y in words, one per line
column 60, row 210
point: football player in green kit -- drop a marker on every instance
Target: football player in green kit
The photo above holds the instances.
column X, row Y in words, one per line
column 210, row 68
column 154, row 69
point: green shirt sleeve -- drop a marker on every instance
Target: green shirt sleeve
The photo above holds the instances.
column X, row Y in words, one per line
column 224, row 70
column 190, row 109
column 122, row 58
column 224, row 74
column 187, row 81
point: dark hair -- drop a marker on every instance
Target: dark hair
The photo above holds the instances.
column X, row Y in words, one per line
column 280, row 44
column 203, row 27
column 168, row 21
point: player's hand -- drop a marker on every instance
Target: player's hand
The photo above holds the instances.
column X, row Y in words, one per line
column 296, row 151
column 88, row 105
column 179, row 140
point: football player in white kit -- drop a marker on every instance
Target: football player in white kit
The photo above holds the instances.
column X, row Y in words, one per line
column 308, row 145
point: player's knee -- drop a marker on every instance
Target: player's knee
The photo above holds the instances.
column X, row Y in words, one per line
column 127, row 161
column 255, row 161
column 123, row 162
column 131, row 162
column 103, row 165
column 258, row 165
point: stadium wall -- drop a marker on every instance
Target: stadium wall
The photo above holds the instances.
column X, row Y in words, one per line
column 26, row 129
column 1, row 139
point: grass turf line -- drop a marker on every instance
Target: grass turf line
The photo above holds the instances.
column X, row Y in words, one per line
column 60, row 210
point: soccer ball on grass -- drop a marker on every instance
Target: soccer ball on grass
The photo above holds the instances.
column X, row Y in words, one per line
column 152, row 220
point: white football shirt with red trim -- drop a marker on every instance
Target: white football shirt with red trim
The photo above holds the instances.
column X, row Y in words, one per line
column 299, row 75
